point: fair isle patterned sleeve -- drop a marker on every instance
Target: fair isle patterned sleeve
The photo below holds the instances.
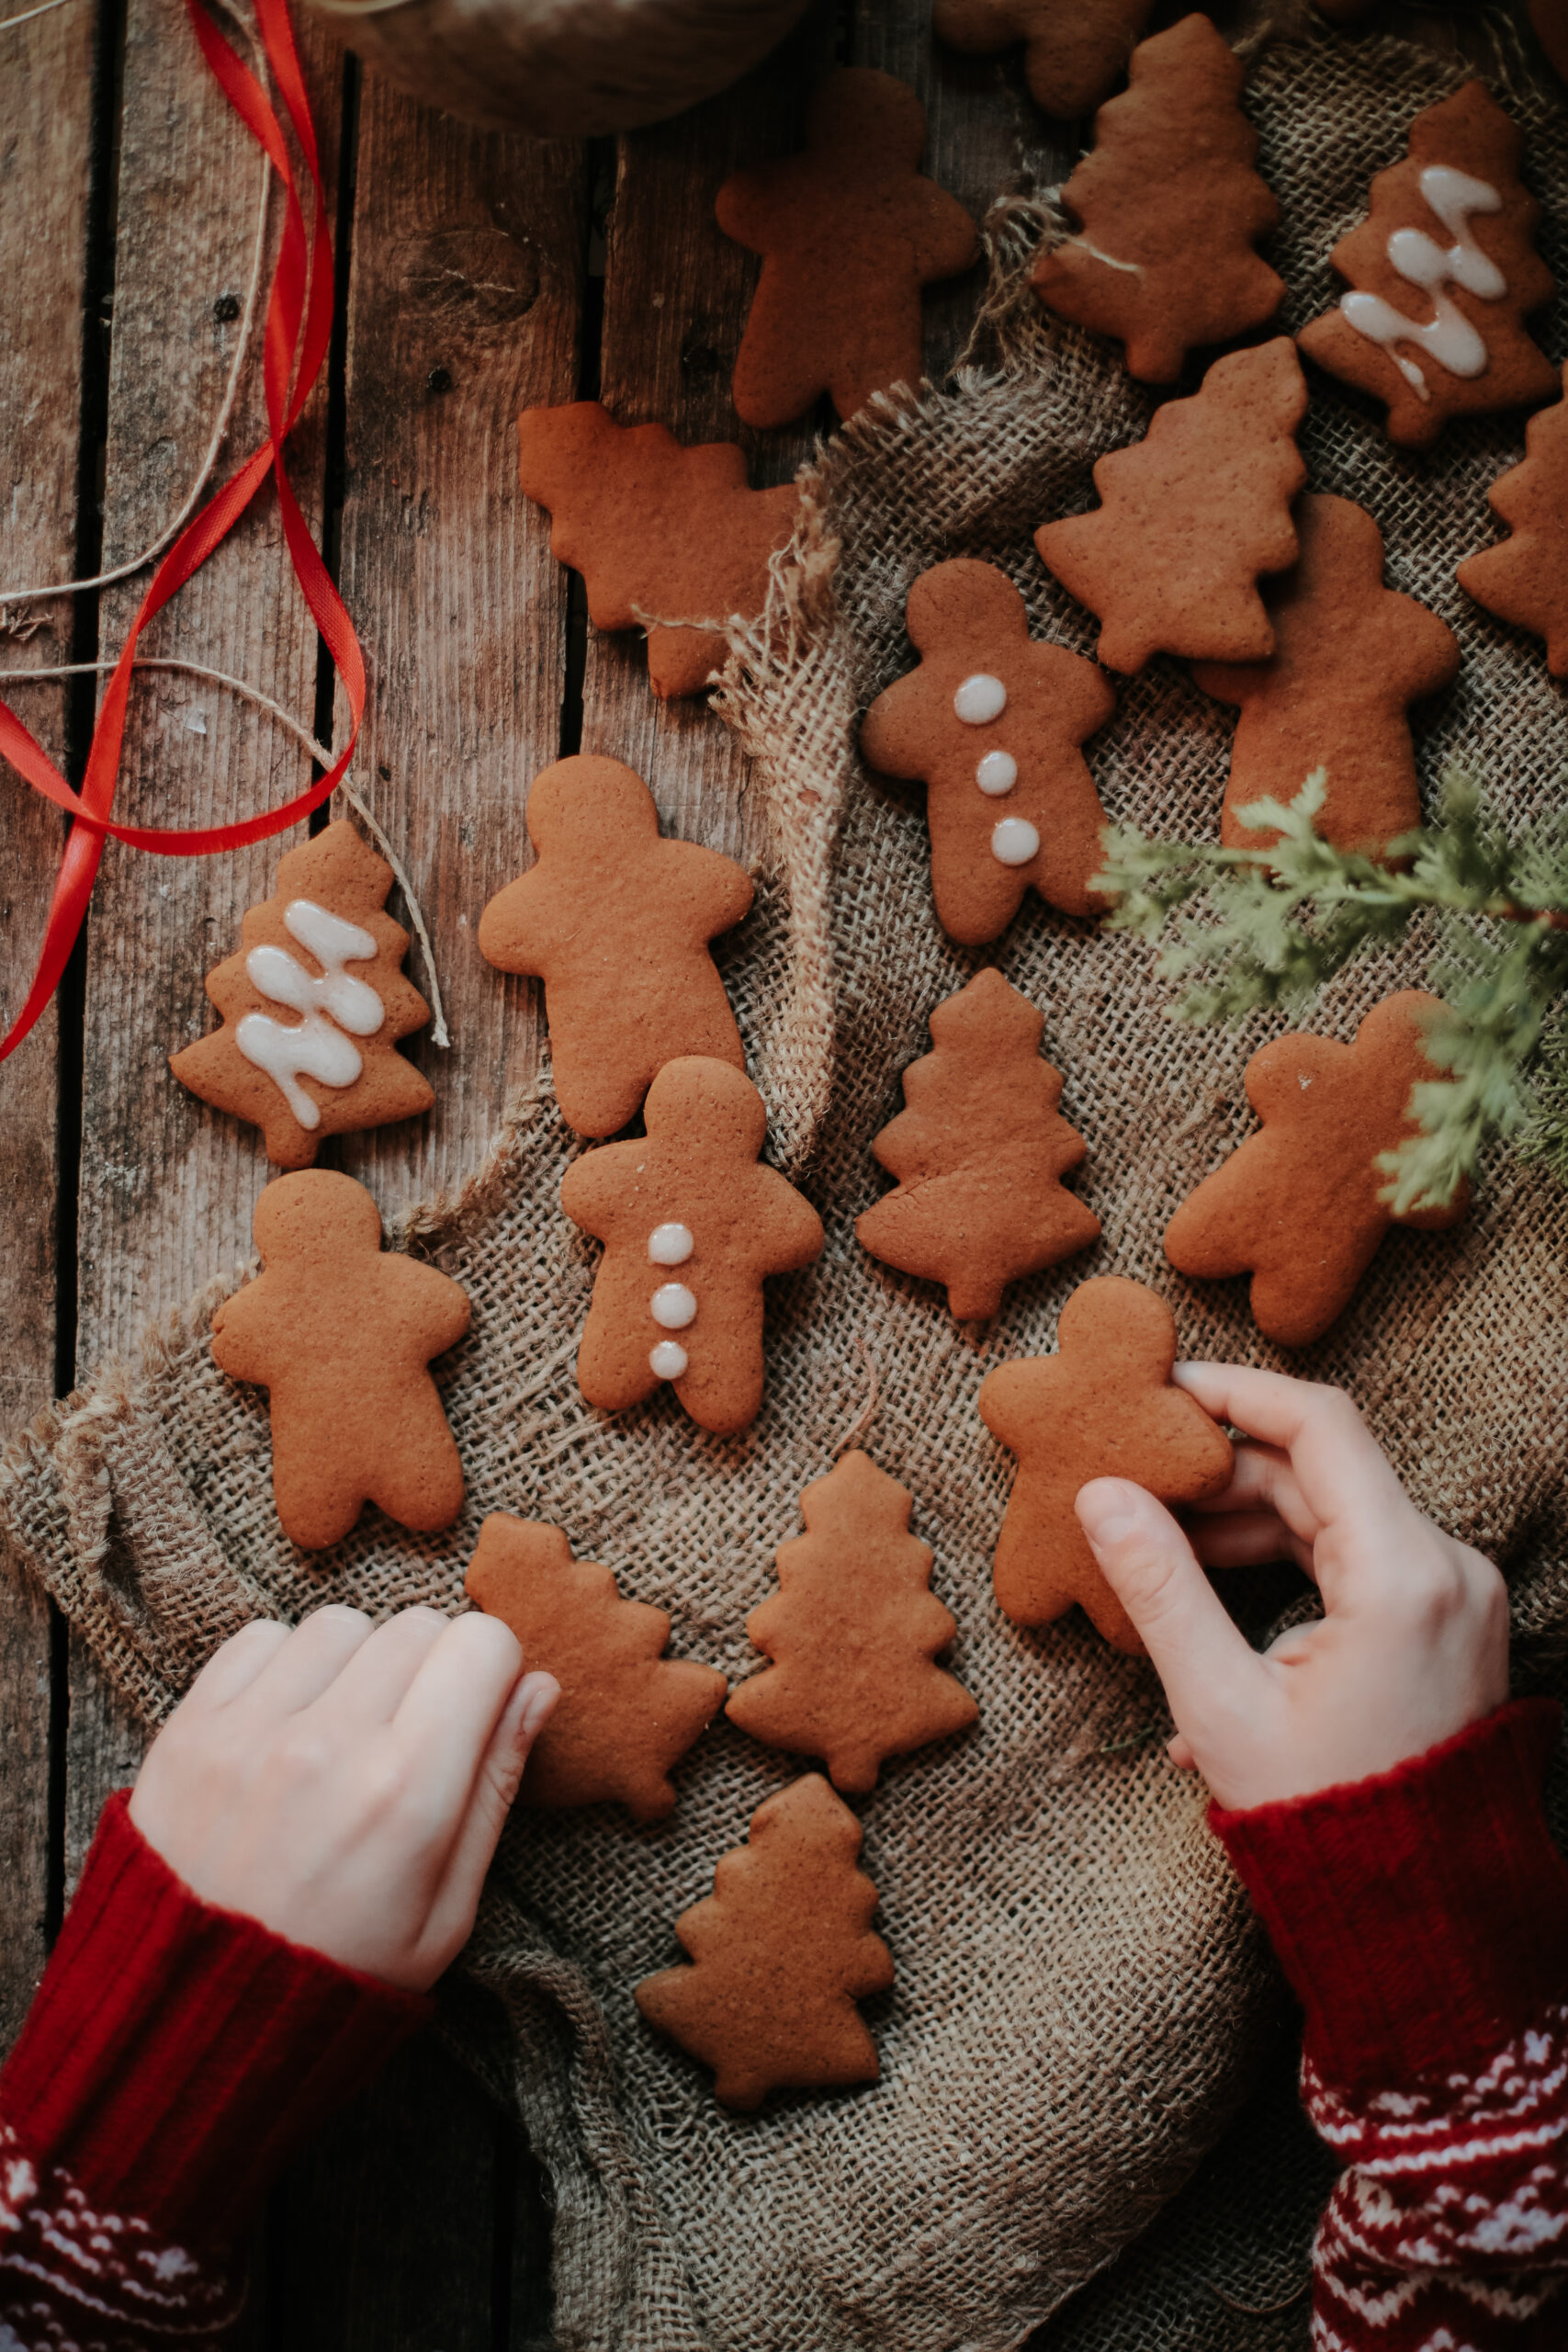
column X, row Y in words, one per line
column 174, row 2058
column 1422, row 1918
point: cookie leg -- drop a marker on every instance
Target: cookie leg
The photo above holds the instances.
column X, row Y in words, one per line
column 420, row 1481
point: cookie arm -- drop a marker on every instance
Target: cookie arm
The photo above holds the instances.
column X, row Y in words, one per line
column 747, row 209
column 430, row 1298
column 789, row 1231
column 945, row 239
column 896, row 733
column 721, row 891
column 243, row 1331
column 519, row 931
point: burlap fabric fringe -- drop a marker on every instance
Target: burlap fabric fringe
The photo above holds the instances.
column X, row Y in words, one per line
column 1082, row 2002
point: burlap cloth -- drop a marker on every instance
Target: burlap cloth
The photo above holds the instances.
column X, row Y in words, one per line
column 1082, row 2004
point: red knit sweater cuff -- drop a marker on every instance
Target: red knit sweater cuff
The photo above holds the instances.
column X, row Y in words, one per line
column 177, row 2055
column 1422, row 1916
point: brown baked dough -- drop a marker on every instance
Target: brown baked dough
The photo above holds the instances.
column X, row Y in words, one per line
column 1075, row 51
column 1524, row 578
column 1103, row 1407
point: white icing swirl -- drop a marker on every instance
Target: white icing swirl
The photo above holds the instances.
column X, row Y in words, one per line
column 1449, row 339
column 313, row 1046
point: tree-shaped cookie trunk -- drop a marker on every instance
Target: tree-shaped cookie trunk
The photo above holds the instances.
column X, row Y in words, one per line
column 990, row 721
column 692, row 1224
column 341, row 1333
column 313, row 1006
column 1191, row 517
column 666, row 538
column 1300, row 1207
column 848, row 233
column 1524, row 579
column 979, row 1154
column 626, row 1714
column 782, row 1950
column 853, row 1632
column 1350, row 658
column 1168, row 209
column 616, row 920
column 1101, row 1407
column 1444, row 273
column 1075, row 51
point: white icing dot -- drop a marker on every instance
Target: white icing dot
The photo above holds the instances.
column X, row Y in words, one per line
column 673, row 1306
column 1015, row 842
column 668, row 1360
column 669, row 1245
column 980, row 699
column 997, row 774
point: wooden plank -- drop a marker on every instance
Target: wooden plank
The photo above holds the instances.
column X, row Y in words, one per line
column 46, row 83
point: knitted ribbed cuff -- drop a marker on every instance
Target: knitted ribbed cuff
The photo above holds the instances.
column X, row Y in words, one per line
column 177, row 2055
column 1422, row 1916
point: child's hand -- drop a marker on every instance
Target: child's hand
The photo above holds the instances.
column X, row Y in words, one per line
column 1413, row 1644
column 347, row 1787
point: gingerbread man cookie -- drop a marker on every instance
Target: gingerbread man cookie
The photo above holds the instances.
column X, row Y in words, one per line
column 1075, row 51
column 1524, row 579
column 1168, row 210
column 979, row 1154
column 1443, row 273
column 340, row 1333
column 1300, row 1207
column 990, row 721
column 848, row 233
column 616, row 920
column 1101, row 1407
column 782, row 1950
column 692, row 1224
column 1350, row 658
column 666, row 538
column 626, row 1714
column 853, row 1633
column 1189, row 517
column 313, row 1006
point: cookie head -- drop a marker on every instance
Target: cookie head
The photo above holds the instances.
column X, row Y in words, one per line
column 586, row 806
column 869, row 118
column 315, row 1214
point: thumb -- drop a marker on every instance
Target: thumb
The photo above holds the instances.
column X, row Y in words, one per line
column 1201, row 1658
column 496, row 1783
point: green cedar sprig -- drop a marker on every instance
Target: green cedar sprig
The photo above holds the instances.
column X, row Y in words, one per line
column 1249, row 928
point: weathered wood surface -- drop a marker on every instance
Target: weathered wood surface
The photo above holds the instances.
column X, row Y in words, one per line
column 46, row 85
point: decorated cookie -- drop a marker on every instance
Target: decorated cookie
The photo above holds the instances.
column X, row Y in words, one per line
column 340, row 1334
column 848, row 233
column 1075, row 51
column 617, row 922
column 1299, row 1205
column 990, row 722
column 1169, row 211
column 1443, row 275
column 313, row 1006
column 853, row 1633
column 626, row 1714
column 1191, row 517
column 979, row 1154
column 691, row 1223
column 1350, row 658
column 1524, row 579
column 666, row 538
column 1101, row 1407
column 782, row 1950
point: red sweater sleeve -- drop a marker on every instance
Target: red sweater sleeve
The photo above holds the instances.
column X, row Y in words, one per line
column 1422, row 1918
column 174, row 2058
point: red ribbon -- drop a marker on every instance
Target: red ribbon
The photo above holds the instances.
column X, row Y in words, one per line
column 298, row 329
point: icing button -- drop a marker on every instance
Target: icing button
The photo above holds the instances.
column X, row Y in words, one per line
column 997, row 774
column 668, row 1360
column 669, row 1245
column 980, row 699
column 673, row 1306
column 1015, row 842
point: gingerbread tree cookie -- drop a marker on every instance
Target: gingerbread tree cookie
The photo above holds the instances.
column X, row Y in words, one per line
column 990, row 722
column 1101, row 1407
column 313, row 1006
column 1189, row 517
column 692, row 1224
column 1300, row 1207
column 848, row 233
column 1350, row 658
column 1444, row 273
column 979, row 1154
column 1524, row 579
column 626, row 1714
column 853, row 1632
column 1168, row 210
column 1074, row 50
column 616, row 920
column 782, row 1950
column 666, row 538
column 340, row 1334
